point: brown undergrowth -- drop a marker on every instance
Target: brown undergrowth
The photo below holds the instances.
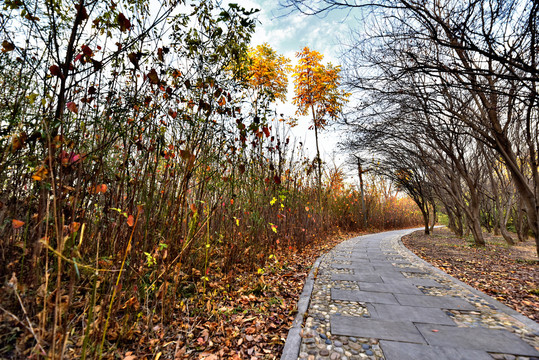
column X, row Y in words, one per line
column 245, row 316
column 508, row 274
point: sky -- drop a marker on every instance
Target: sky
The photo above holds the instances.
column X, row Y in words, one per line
column 287, row 33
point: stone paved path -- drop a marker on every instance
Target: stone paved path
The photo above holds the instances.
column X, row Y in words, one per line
column 371, row 298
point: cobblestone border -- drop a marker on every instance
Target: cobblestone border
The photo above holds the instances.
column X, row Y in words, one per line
column 293, row 339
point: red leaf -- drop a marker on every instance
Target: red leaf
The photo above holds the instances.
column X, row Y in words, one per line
column 17, row 224
column 87, row 51
column 130, row 220
column 71, row 106
column 124, row 23
column 277, row 179
column 266, row 131
column 55, row 70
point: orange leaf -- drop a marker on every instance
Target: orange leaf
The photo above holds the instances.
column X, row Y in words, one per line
column 17, row 224
column 40, row 173
column 101, row 188
column 130, row 220
column 74, row 226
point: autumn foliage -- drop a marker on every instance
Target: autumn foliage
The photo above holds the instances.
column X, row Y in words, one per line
column 138, row 179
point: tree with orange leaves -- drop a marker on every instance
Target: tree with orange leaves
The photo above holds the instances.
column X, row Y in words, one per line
column 317, row 92
column 267, row 74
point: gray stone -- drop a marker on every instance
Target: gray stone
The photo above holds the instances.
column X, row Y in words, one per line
column 490, row 340
column 356, row 267
column 442, row 302
column 400, row 288
column 410, row 313
column 363, row 296
column 373, row 328
column 361, row 277
column 324, row 352
column 425, row 282
column 406, row 269
column 406, row 351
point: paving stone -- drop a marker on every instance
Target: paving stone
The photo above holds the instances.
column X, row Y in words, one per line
column 442, row 302
column 356, row 267
column 406, row 269
column 490, row 340
column 373, row 328
column 357, row 277
column 410, row 313
column 398, row 288
column 363, row 296
column 392, row 276
column 424, row 282
column 382, row 263
column 405, row 351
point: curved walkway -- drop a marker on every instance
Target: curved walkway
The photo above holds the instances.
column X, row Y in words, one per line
column 371, row 298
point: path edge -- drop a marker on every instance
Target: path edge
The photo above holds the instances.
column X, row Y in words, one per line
column 293, row 340
column 499, row 306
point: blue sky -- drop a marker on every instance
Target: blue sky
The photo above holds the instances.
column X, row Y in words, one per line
column 288, row 33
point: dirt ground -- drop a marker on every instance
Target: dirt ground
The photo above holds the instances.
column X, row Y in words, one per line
column 510, row 274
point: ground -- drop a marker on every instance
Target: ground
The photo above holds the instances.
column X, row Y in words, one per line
column 508, row 274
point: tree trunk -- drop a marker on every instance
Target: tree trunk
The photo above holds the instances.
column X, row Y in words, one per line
column 426, row 218
column 503, row 218
column 474, row 221
column 363, row 211
column 451, row 224
column 518, row 219
column 433, row 217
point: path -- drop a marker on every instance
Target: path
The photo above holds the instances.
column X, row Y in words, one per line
column 371, row 298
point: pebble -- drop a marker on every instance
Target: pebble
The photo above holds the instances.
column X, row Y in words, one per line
column 324, row 352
